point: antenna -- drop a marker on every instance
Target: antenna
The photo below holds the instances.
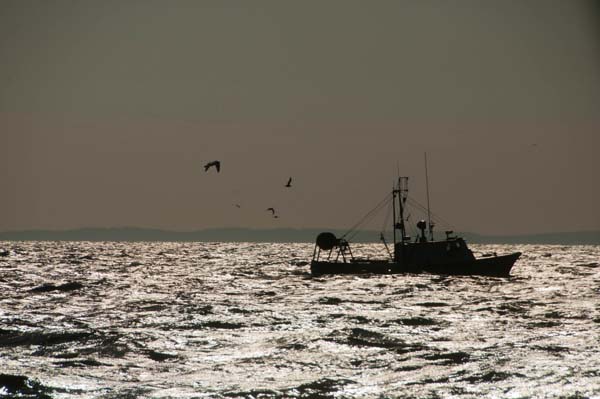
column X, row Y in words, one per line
column 428, row 207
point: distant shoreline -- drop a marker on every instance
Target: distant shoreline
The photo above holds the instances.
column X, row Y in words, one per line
column 272, row 235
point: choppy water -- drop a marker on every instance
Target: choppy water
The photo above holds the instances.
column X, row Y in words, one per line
column 160, row 320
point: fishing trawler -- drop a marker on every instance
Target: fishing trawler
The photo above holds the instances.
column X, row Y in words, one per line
column 423, row 254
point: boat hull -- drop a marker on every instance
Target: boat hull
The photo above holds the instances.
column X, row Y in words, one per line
column 494, row 266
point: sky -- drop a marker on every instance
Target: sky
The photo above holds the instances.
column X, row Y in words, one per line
column 109, row 110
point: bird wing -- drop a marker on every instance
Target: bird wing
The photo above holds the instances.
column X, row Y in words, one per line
column 217, row 164
column 289, row 182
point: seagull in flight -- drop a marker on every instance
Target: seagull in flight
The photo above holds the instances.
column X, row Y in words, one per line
column 216, row 164
column 289, row 183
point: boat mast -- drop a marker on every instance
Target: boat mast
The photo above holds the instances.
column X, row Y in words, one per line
column 402, row 195
column 428, row 208
column 394, row 193
column 401, row 192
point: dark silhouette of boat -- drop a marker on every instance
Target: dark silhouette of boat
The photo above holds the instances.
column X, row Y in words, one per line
column 450, row 256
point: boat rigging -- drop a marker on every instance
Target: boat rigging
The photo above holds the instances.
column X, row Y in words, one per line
column 450, row 255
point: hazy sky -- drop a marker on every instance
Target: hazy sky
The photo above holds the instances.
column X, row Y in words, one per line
column 109, row 109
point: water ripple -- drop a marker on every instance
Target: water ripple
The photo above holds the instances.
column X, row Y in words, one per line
column 229, row 320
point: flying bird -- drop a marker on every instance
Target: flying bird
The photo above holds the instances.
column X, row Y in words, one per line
column 238, row 206
column 289, row 183
column 216, row 164
column 272, row 210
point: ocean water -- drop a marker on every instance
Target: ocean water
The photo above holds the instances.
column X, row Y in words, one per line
column 247, row 320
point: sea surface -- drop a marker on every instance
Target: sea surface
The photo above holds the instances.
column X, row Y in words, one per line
column 247, row 320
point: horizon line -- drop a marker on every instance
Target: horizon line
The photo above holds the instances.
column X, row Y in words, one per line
column 276, row 235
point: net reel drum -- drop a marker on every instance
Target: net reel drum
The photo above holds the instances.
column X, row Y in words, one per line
column 327, row 241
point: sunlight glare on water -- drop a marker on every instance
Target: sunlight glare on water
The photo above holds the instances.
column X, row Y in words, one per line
column 227, row 320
